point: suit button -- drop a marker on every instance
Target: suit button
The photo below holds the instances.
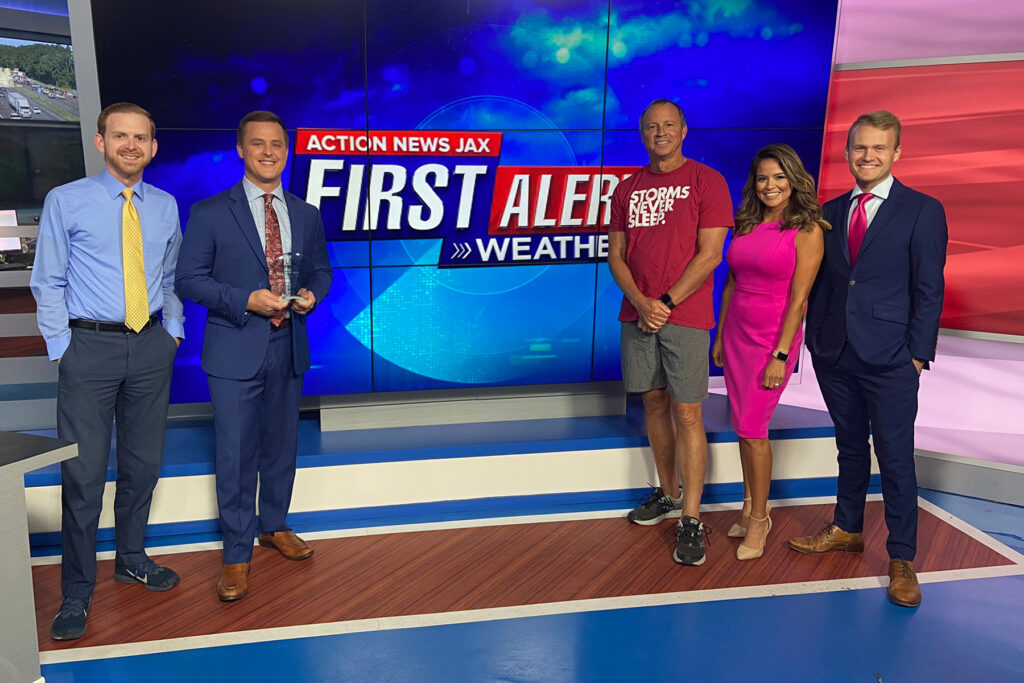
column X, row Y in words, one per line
column 853, row 282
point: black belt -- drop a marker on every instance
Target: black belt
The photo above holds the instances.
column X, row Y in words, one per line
column 100, row 326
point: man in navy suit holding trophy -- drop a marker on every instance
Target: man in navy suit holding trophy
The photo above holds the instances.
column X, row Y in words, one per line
column 244, row 252
column 872, row 326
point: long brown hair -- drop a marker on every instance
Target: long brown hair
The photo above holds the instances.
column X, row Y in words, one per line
column 802, row 211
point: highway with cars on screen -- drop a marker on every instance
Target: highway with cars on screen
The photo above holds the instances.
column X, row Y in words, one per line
column 47, row 103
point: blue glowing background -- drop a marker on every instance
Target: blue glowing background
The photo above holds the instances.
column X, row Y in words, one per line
column 564, row 80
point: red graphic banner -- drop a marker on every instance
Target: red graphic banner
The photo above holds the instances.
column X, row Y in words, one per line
column 963, row 136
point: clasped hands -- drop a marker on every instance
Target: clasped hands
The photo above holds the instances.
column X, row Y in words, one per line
column 266, row 303
column 653, row 314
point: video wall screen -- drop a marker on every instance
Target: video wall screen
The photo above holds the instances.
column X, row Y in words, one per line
column 37, row 82
column 463, row 154
column 40, row 143
column 982, row 131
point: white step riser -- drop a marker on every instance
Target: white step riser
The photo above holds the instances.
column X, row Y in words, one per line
column 193, row 498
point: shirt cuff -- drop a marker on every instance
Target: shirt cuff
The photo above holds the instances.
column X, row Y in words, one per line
column 175, row 327
column 56, row 346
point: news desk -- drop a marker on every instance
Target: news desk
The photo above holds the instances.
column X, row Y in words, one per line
column 19, row 646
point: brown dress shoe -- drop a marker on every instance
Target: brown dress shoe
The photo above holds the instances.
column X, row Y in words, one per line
column 287, row 543
column 903, row 586
column 829, row 538
column 234, row 583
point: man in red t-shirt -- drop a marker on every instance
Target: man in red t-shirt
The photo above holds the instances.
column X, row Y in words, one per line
column 668, row 226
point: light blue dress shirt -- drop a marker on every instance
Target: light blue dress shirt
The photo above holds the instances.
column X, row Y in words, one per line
column 257, row 206
column 78, row 271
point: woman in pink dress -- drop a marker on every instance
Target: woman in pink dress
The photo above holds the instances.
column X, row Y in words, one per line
column 776, row 249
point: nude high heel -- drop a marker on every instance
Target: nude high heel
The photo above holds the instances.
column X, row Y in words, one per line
column 744, row 552
column 738, row 530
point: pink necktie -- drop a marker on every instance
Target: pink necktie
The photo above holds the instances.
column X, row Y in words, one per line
column 273, row 251
column 858, row 225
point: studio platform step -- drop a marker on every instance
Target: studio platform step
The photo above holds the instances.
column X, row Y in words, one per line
column 400, row 475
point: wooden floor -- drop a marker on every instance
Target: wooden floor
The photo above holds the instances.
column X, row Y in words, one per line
column 463, row 569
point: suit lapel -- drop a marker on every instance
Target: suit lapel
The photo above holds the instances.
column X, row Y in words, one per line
column 885, row 212
column 240, row 208
column 838, row 221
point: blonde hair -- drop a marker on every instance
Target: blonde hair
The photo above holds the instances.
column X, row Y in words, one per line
column 881, row 119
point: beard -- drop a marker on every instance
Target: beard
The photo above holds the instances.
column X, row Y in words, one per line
column 126, row 168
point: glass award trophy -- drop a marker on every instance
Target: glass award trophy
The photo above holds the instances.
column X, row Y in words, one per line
column 295, row 278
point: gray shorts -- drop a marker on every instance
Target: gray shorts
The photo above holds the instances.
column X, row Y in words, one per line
column 675, row 357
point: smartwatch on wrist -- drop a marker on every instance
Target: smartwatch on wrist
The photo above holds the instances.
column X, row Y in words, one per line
column 667, row 300
column 780, row 355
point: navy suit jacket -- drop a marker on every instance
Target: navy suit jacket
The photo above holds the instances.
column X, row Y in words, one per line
column 222, row 261
column 888, row 304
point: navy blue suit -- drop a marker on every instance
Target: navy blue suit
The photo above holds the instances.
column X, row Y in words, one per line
column 865, row 325
column 255, row 371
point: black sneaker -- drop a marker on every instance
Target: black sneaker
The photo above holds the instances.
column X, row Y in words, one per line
column 148, row 573
column 690, row 539
column 656, row 508
column 70, row 620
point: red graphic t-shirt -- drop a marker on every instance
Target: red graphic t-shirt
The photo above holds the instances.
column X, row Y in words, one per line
column 661, row 214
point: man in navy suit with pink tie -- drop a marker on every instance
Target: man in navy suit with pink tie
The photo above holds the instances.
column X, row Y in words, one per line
column 872, row 326
column 255, row 348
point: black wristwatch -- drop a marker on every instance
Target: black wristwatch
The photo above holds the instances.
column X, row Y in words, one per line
column 667, row 300
column 780, row 355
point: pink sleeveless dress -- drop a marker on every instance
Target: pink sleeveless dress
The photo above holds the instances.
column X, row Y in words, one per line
column 762, row 262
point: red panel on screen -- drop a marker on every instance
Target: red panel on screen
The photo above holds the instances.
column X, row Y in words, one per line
column 963, row 142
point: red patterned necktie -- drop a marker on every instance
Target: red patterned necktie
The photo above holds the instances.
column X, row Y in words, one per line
column 858, row 225
column 273, row 250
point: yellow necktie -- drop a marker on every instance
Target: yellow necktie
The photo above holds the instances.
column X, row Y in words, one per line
column 136, row 296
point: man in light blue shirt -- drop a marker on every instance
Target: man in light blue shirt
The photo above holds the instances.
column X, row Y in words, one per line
column 106, row 244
